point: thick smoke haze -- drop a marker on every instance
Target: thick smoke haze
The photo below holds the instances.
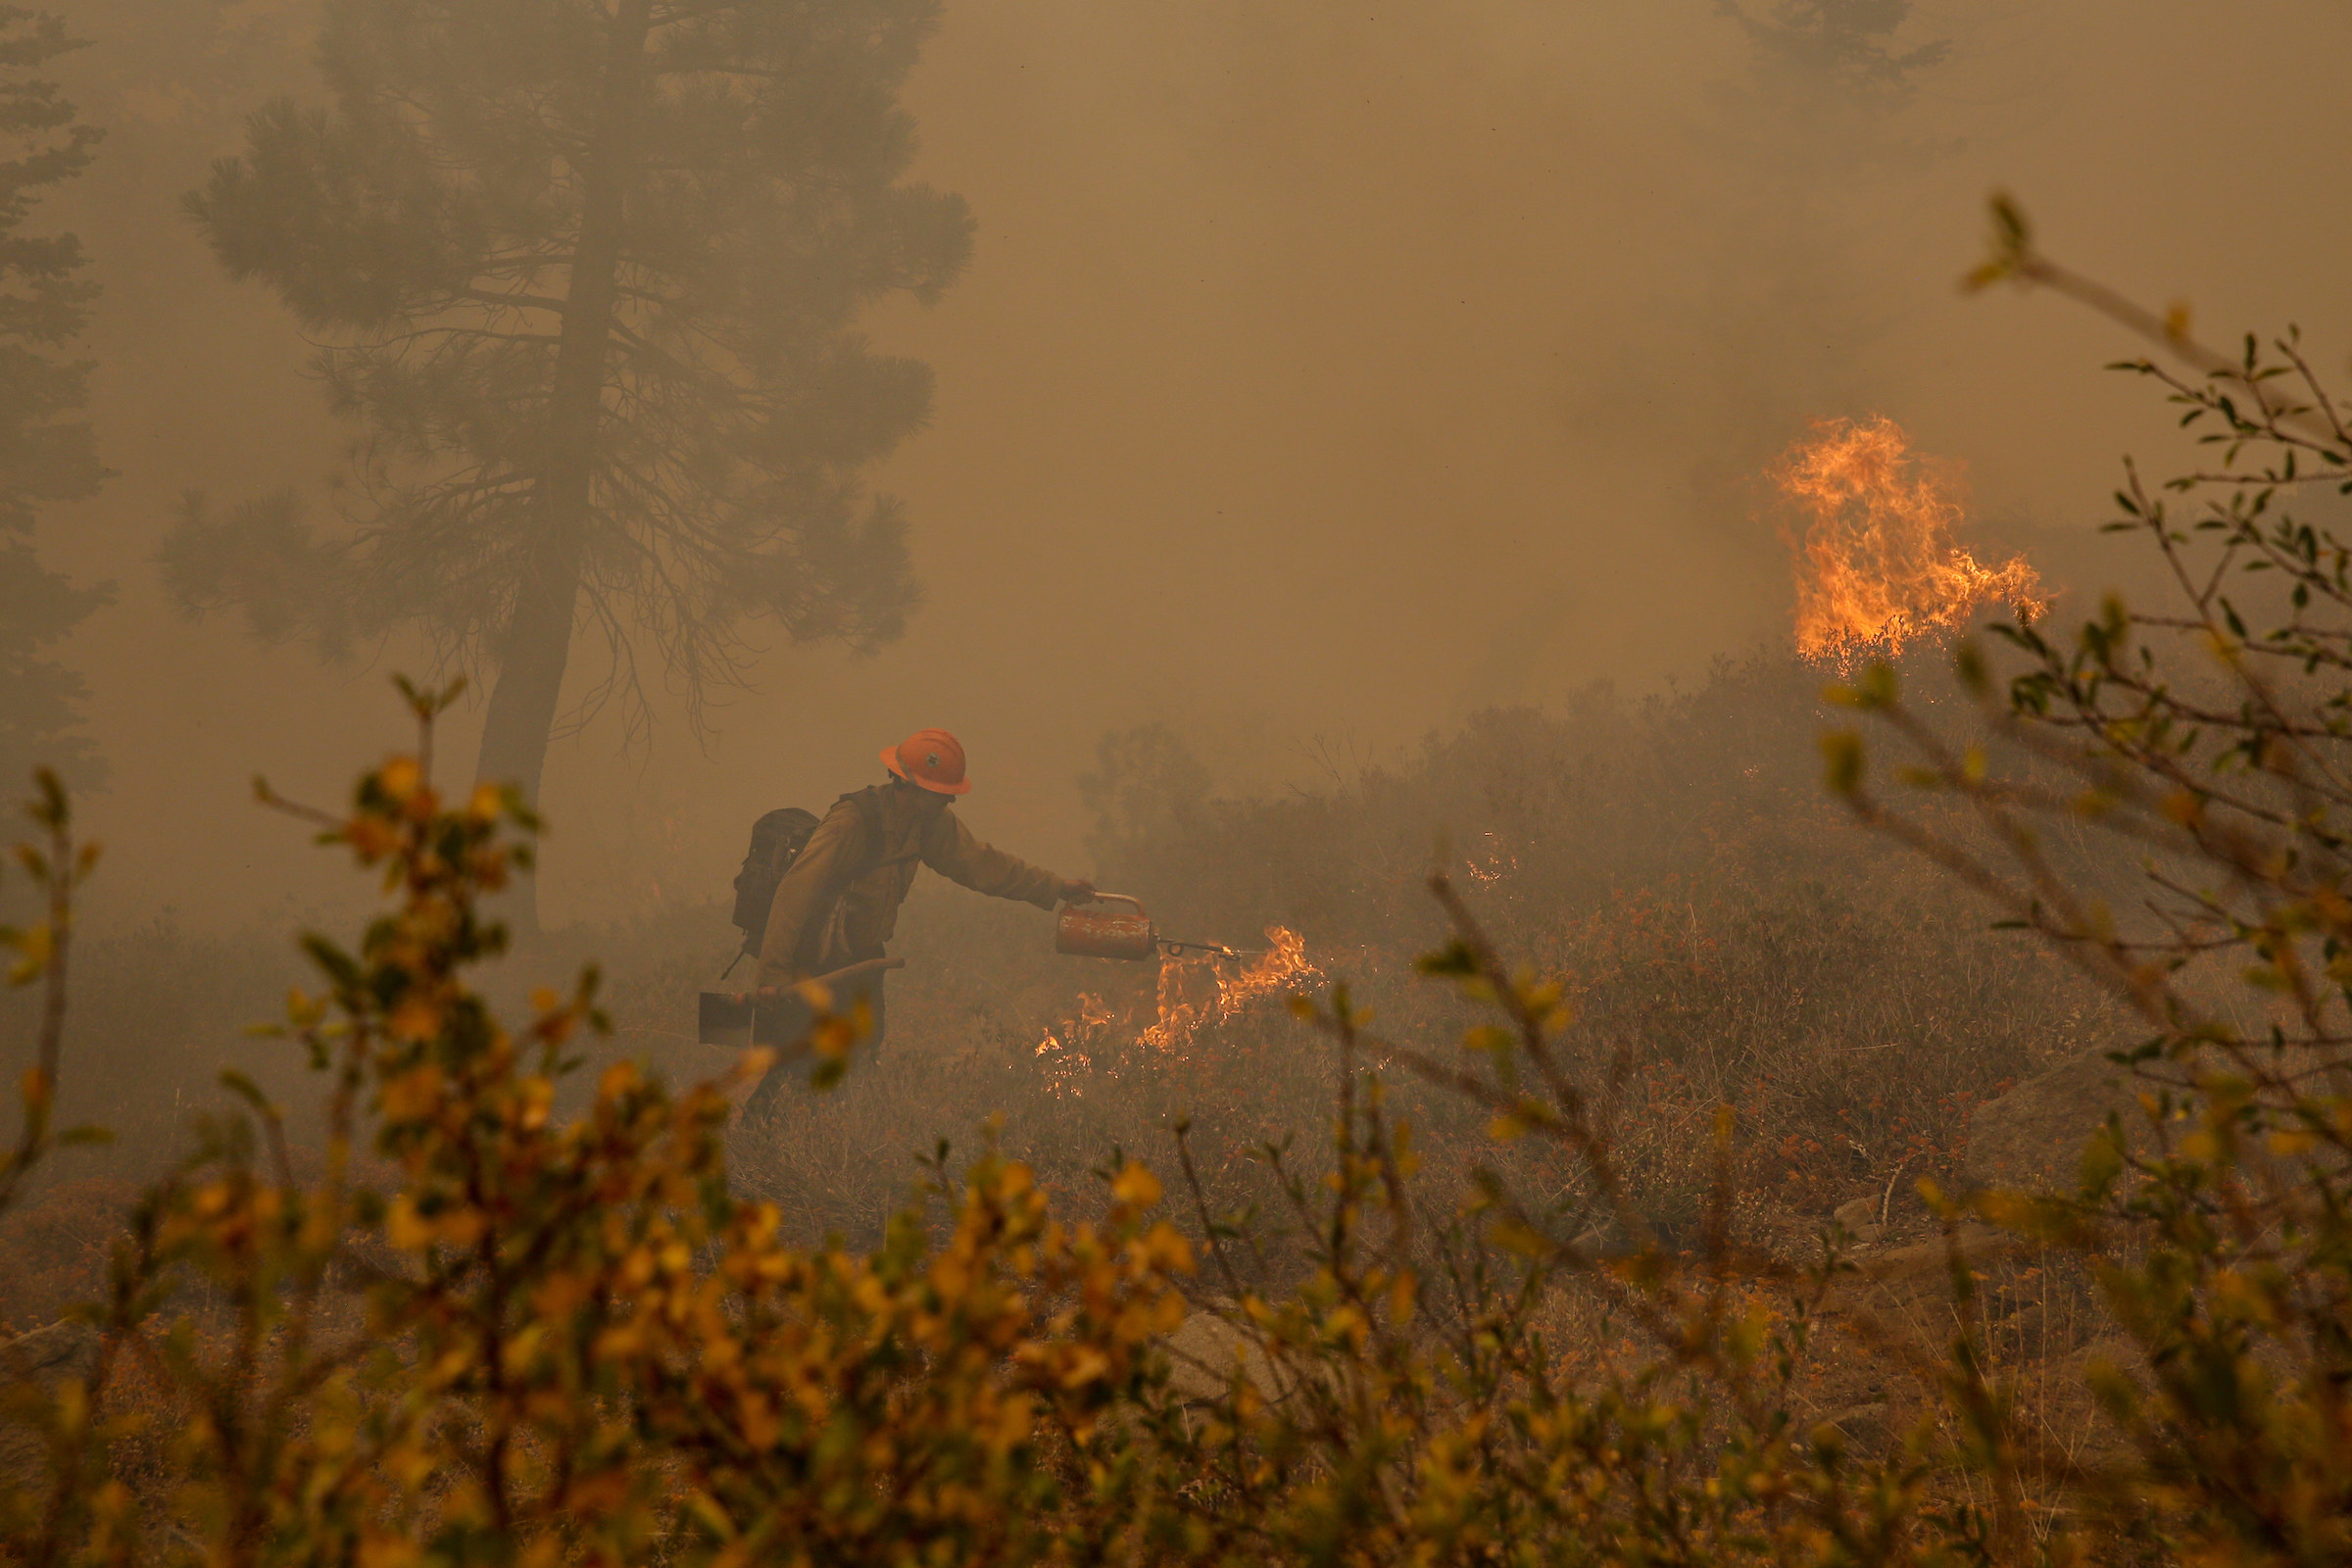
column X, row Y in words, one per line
column 1325, row 374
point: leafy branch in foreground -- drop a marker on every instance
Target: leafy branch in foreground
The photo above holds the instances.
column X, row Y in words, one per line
column 467, row 1331
column 57, row 865
column 2210, row 739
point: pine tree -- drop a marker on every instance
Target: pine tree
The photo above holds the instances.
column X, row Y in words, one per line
column 588, row 272
column 45, row 453
column 1842, row 45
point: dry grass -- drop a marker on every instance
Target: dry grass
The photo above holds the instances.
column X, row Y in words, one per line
column 1729, row 939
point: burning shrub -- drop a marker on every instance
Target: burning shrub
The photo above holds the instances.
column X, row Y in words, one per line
column 1878, row 564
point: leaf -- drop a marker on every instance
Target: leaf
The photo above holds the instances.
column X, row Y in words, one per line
column 336, row 965
column 245, row 1089
column 1136, row 1186
column 2010, row 231
column 35, row 946
column 1842, row 752
column 1453, row 961
column 2102, row 1162
column 1983, row 277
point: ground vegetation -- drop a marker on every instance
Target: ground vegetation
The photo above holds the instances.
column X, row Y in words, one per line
column 506, row 1296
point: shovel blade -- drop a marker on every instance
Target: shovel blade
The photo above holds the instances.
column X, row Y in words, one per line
column 724, row 1020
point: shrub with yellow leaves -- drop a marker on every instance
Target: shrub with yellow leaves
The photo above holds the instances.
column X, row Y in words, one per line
column 478, row 1334
column 465, row 1329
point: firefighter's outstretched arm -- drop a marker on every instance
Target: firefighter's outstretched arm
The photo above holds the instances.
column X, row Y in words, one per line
column 805, row 892
column 956, row 852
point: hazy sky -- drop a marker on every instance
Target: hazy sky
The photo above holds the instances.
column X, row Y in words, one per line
column 1325, row 373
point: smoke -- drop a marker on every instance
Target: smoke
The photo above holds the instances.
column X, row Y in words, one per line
column 1325, row 374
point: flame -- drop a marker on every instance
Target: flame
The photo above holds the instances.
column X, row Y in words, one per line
column 1878, row 565
column 1091, row 1020
column 1195, row 993
column 1068, row 1043
column 1498, row 864
column 1284, row 968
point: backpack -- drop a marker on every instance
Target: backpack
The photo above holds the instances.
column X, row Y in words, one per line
column 777, row 840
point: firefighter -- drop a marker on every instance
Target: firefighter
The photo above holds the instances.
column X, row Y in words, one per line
column 838, row 902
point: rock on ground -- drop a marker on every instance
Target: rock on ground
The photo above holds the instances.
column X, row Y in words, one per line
column 2033, row 1136
column 44, row 1356
column 62, row 1348
column 1204, row 1352
column 1860, row 1217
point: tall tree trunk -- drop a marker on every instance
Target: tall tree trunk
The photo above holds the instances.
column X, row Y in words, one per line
column 537, row 644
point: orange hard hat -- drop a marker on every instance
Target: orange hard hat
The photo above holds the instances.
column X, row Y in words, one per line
column 930, row 757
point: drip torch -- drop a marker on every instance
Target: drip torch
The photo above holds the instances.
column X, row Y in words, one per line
column 1087, row 932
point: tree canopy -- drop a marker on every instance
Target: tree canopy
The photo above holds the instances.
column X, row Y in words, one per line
column 587, row 274
column 1845, row 41
column 46, row 453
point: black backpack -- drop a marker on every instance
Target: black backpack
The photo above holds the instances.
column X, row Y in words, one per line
column 777, row 840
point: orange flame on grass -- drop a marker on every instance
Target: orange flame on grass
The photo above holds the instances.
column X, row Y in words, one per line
column 1284, row 968
column 1877, row 563
column 1088, row 1024
column 1195, row 993
column 1069, row 1044
column 1497, row 863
